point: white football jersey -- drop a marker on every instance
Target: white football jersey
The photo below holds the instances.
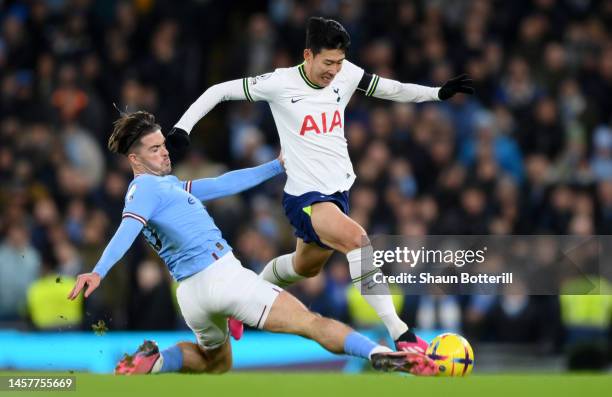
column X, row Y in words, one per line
column 310, row 123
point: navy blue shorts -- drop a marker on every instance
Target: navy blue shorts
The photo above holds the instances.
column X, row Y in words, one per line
column 299, row 208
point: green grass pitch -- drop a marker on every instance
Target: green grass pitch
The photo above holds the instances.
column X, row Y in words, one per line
column 319, row 384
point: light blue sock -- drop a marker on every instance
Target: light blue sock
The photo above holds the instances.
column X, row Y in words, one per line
column 173, row 359
column 358, row 345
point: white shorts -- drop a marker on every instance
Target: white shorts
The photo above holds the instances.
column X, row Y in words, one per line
column 224, row 289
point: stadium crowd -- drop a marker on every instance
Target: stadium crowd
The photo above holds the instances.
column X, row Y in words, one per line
column 530, row 153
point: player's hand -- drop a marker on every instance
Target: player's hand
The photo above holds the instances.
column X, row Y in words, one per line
column 177, row 142
column 280, row 159
column 456, row 85
column 91, row 280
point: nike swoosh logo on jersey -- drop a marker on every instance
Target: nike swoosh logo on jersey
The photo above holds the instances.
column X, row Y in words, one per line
column 294, row 100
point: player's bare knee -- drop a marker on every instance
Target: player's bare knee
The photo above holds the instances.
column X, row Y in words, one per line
column 357, row 240
column 221, row 366
column 214, row 361
column 199, row 367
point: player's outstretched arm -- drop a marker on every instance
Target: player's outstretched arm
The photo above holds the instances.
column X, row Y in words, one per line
column 177, row 140
column 392, row 90
column 229, row 91
column 122, row 240
column 234, row 182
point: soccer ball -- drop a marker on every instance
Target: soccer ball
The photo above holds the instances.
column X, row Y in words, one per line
column 452, row 353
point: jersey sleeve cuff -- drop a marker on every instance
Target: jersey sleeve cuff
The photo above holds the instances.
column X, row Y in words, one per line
column 245, row 87
column 373, row 84
column 134, row 216
column 100, row 270
column 436, row 94
column 277, row 167
column 187, row 186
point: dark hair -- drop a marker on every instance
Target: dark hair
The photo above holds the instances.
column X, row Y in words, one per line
column 129, row 128
column 323, row 33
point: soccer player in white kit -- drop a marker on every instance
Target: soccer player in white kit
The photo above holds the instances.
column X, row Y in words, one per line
column 307, row 103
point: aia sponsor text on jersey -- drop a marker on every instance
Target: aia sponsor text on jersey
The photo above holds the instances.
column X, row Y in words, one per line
column 320, row 124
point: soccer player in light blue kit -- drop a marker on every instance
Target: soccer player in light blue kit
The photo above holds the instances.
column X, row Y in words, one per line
column 212, row 283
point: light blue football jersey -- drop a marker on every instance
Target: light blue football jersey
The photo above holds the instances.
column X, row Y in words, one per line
column 176, row 224
column 170, row 214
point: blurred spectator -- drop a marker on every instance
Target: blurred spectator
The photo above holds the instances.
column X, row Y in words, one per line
column 48, row 308
column 84, row 154
column 152, row 306
column 19, row 267
column 601, row 162
column 489, row 144
column 438, row 312
column 586, row 319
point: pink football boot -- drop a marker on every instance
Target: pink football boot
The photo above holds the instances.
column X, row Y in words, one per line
column 410, row 342
column 403, row 361
column 140, row 362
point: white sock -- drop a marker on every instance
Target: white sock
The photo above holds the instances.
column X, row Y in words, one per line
column 379, row 349
column 279, row 271
column 382, row 304
column 158, row 365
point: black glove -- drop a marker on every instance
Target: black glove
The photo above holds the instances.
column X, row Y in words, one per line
column 455, row 85
column 177, row 142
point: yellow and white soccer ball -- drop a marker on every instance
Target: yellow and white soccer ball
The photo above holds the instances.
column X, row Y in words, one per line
column 453, row 354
